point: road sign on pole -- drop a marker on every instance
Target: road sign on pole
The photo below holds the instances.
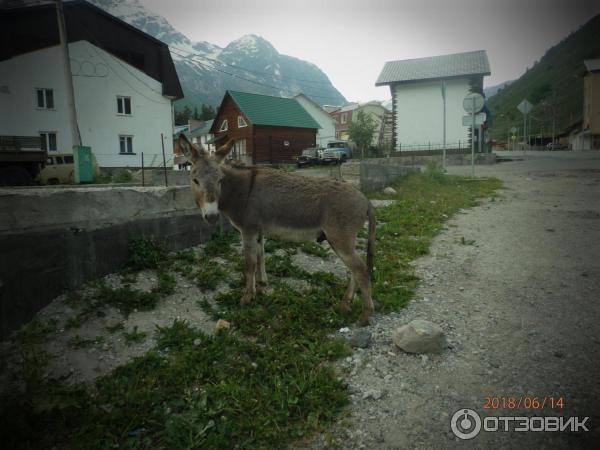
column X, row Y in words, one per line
column 473, row 103
column 479, row 120
column 525, row 107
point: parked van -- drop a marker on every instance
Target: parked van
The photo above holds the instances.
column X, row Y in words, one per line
column 60, row 169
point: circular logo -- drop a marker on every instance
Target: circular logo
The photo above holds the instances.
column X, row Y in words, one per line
column 465, row 424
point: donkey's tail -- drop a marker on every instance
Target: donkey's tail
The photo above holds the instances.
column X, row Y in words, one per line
column 371, row 241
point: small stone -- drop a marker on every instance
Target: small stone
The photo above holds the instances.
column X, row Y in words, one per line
column 420, row 336
column 389, row 190
column 361, row 339
column 375, row 394
column 197, row 342
column 344, row 330
column 222, row 325
column 559, row 354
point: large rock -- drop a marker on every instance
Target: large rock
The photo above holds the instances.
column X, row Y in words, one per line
column 420, row 336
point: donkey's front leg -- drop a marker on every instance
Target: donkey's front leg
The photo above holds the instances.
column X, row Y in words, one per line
column 261, row 273
column 250, row 256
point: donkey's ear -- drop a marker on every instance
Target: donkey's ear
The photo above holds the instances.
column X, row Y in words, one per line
column 190, row 151
column 224, row 150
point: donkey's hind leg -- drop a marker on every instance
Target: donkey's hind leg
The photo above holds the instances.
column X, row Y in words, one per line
column 250, row 258
column 348, row 295
column 261, row 273
column 344, row 248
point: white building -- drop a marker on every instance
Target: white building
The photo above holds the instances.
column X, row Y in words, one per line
column 327, row 131
column 417, row 102
column 121, row 109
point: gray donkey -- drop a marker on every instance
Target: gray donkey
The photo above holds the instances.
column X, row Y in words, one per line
column 262, row 202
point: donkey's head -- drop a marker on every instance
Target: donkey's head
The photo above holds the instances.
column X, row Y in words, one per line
column 206, row 175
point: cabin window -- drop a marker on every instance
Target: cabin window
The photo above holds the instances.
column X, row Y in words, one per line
column 224, row 126
column 343, row 118
column 124, row 105
column 48, row 141
column 45, row 98
column 241, row 122
column 126, row 145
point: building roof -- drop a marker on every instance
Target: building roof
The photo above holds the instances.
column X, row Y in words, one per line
column 32, row 28
column 203, row 129
column 273, row 111
column 435, row 67
column 592, row 65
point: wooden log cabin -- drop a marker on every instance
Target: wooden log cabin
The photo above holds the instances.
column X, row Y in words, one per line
column 267, row 129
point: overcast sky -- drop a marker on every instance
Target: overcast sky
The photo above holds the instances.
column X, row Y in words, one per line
column 350, row 40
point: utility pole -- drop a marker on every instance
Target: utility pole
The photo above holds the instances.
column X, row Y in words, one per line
column 62, row 32
column 444, row 120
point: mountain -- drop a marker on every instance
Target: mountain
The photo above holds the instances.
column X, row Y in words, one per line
column 248, row 64
column 553, row 83
column 489, row 92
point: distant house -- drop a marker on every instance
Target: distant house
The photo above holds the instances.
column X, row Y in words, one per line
column 124, row 82
column 198, row 132
column 267, row 129
column 417, row 102
column 326, row 133
column 346, row 114
column 589, row 136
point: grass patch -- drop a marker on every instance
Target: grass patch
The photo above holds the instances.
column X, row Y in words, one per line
column 263, row 384
column 134, row 336
column 145, row 254
column 209, row 276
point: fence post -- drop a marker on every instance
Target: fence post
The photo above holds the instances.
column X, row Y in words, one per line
column 162, row 141
column 143, row 178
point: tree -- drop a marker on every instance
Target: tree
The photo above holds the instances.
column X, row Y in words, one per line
column 182, row 117
column 207, row 112
column 361, row 130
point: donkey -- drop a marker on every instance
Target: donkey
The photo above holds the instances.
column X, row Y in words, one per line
column 261, row 202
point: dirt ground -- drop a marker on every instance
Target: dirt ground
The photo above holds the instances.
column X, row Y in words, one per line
column 514, row 284
column 518, row 300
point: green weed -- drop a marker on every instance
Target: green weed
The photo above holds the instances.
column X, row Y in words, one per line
column 134, row 336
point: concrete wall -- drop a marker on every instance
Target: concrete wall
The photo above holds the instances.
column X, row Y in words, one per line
column 378, row 173
column 98, row 79
column 56, row 239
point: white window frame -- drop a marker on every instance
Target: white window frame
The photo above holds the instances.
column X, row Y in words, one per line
column 44, row 99
column 121, row 104
column 241, row 122
column 45, row 135
column 343, row 118
column 224, row 126
column 128, row 139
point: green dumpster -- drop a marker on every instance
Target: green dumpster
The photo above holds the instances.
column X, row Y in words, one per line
column 84, row 167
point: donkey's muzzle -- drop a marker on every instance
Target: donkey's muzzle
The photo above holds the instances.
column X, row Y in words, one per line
column 211, row 218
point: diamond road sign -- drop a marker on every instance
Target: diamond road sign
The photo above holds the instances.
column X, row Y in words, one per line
column 525, row 107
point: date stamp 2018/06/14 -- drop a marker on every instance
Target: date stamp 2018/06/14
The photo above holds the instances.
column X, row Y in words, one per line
column 523, row 402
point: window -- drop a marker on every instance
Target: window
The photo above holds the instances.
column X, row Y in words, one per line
column 126, row 145
column 343, row 118
column 48, row 141
column 68, row 159
column 124, row 105
column 224, row 126
column 58, row 159
column 45, row 98
column 239, row 148
column 241, row 122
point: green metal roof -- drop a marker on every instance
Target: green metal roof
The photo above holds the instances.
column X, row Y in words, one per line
column 274, row 111
column 202, row 130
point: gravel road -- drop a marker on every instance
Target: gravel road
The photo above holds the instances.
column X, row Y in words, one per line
column 518, row 300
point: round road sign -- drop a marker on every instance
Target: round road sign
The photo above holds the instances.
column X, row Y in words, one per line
column 473, row 103
column 513, row 130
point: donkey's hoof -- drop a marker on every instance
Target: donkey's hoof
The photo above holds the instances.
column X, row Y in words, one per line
column 246, row 299
column 364, row 321
column 261, row 287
